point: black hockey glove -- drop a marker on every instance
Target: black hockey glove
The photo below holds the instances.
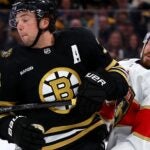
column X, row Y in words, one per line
column 87, row 107
column 26, row 135
column 97, row 87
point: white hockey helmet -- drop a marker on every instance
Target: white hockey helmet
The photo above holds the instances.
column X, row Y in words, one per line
column 145, row 41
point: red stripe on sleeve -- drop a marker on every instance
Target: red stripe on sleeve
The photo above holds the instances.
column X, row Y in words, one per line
column 142, row 123
column 130, row 116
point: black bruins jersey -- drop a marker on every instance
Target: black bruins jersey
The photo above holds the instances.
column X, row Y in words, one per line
column 51, row 74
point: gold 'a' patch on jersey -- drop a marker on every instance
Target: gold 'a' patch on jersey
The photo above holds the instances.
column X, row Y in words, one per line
column 59, row 84
column 5, row 54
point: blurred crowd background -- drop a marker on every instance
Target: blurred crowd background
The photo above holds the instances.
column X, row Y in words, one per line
column 120, row 25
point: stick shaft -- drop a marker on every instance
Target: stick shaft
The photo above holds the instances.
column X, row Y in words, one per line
column 34, row 106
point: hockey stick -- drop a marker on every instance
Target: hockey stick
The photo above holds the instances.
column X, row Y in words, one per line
column 6, row 109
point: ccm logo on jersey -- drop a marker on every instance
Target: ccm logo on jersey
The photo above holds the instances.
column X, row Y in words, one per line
column 96, row 78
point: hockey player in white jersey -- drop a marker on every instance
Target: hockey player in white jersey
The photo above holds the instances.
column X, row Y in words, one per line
column 133, row 131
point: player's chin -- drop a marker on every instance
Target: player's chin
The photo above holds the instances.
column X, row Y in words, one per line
column 26, row 42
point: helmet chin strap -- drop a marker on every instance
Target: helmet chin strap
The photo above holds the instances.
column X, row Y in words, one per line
column 37, row 38
column 38, row 34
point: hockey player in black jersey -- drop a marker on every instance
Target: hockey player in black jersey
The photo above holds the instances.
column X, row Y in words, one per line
column 55, row 66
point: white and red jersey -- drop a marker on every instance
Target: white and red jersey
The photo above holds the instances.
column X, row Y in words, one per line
column 139, row 78
column 133, row 131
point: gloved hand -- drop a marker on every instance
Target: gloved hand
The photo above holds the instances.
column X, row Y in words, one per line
column 97, row 86
column 26, row 135
column 87, row 107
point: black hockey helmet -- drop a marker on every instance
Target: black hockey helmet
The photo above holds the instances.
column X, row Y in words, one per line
column 41, row 8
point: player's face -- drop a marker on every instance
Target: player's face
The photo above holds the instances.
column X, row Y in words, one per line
column 27, row 26
column 146, row 55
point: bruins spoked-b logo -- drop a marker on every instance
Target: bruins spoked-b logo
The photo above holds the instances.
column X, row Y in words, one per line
column 59, row 84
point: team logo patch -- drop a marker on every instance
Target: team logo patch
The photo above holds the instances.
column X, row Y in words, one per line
column 5, row 54
column 59, row 84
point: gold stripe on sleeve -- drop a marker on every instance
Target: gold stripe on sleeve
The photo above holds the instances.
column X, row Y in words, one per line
column 112, row 64
column 141, row 136
column 7, row 103
column 120, row 72
column 4, row 115
column 78, row 136
column 63, row 128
